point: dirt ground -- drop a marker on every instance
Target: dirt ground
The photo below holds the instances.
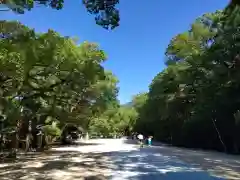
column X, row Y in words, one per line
column 103, row 159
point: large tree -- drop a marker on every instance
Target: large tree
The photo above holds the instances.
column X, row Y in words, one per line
column 51, row 77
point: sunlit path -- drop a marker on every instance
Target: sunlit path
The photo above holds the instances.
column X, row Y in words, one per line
column 101, row 159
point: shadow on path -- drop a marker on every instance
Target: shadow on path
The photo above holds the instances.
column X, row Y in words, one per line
column 219, row 164
column 55, row 165
column 147, row 164
column 136, row 164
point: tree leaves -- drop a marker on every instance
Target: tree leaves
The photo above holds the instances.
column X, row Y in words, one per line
column 105, row 11
column 54, row 77
column 198, row 87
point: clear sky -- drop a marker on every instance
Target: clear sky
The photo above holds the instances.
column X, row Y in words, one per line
column 136, row 48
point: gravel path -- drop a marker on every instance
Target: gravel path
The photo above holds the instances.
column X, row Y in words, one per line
column 119, row 159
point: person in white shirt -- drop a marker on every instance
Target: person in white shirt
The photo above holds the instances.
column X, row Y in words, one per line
column 140, row 137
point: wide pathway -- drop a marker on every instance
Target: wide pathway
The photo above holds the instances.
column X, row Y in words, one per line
column 119, row 159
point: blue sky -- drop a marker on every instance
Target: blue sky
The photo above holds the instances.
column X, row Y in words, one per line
column 136, row 48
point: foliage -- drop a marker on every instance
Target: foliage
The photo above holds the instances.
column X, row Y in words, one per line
column 50, row 79
column 194, row 102
column 105, row 11
column 52, row 130
column 114, row 121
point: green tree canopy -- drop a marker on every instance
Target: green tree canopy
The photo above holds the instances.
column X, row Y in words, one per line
column 194, row 101
column 52, row 77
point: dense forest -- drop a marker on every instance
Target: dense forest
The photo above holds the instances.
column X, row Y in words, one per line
column 50, row 80
column 195, row 101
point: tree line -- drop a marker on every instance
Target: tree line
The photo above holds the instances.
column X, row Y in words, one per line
column 53, row 80
column 195, row 101
column 50, row 80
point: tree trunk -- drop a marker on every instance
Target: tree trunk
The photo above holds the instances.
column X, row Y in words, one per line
column 219, row 136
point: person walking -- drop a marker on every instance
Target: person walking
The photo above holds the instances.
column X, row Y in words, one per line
column 140, row 138
column 150, row 140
